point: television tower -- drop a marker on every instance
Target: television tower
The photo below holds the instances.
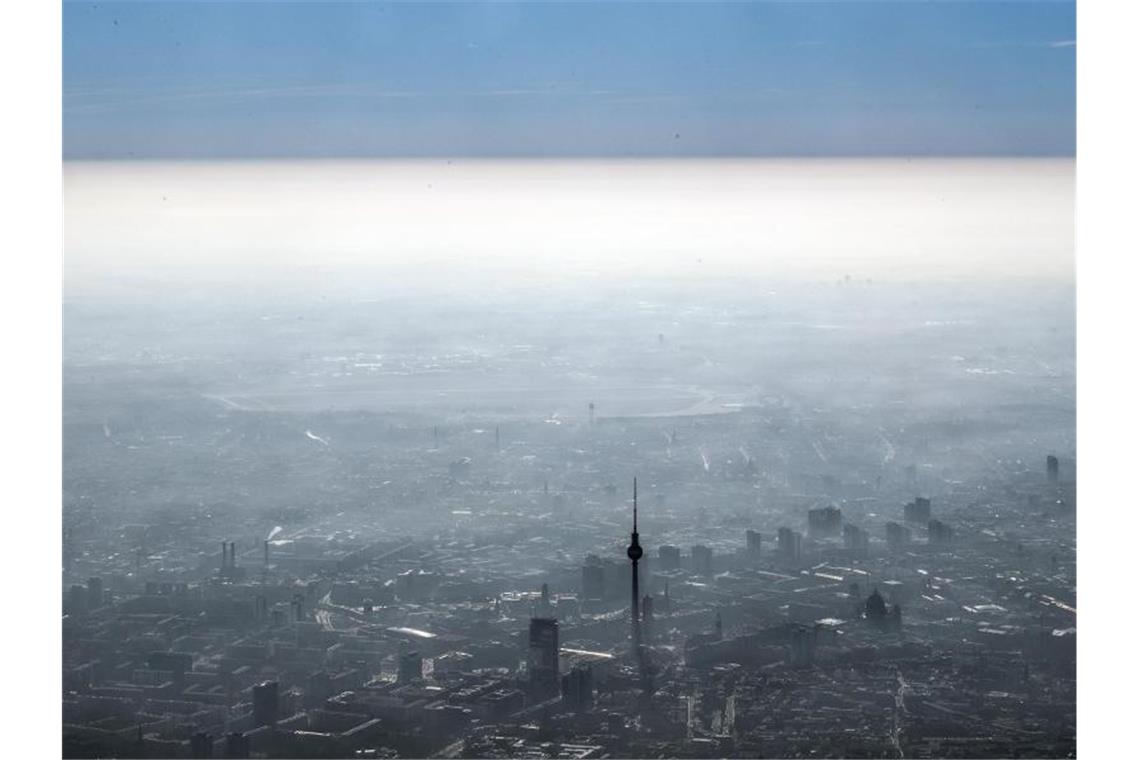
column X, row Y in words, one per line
column 634, row 552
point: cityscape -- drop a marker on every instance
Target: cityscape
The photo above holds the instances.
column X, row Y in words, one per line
column 659, row 564
column 570, row 380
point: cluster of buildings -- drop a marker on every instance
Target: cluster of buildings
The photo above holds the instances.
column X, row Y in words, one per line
column 777, row 598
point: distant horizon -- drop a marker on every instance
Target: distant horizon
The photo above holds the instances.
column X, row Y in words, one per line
column 566, row 157
column 709, row 218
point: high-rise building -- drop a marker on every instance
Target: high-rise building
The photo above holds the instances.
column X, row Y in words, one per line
column 702, row 559
column 754, row 541
column 542, row 657
column 593, row 578
column 410, row 667
column 824, row 522
column 544, row 608
column 917, row 511
column 898, row 536
column 789, row 544
column 578, row 688
column 266, row 703
column 856, row 541
column 669, row 556
column 237, row 745
column 940, row 534
column 1052, row 468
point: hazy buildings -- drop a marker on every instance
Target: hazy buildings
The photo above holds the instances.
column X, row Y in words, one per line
column 917, row 511
column 789, row 544
column 543, row 676
column 325, row 353
column 410, row 666
column 856, row 541
column 578, row 688
column 897, row 535
column 237, row 745
column 593, row 578
column 392, row 551
column 824, row 522
column 940, row 534
column 702, row 558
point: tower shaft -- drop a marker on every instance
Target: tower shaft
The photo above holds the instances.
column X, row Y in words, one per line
column 634, row 553
column 636, row 610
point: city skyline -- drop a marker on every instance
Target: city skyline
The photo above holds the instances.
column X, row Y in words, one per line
column 394, row 301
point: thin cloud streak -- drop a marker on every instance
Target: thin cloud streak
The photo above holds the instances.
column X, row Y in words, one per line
column 329, row 90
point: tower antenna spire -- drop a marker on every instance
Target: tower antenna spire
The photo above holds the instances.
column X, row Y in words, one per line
column 635, row 504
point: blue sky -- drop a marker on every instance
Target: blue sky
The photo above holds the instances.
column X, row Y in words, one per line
column 325, row 79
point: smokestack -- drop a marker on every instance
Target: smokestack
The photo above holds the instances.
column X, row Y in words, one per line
column 267, row 554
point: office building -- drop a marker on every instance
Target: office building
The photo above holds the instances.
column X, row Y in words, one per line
column 856, row 541
column 702, row 560
column 237, row 745
column 918, row 511
column 542, row 657
column 410, row 666
column 789, row 544
column 825, row 522
column 593, row 578
column 898, row 536
column 578, row 688
column 940, row 534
